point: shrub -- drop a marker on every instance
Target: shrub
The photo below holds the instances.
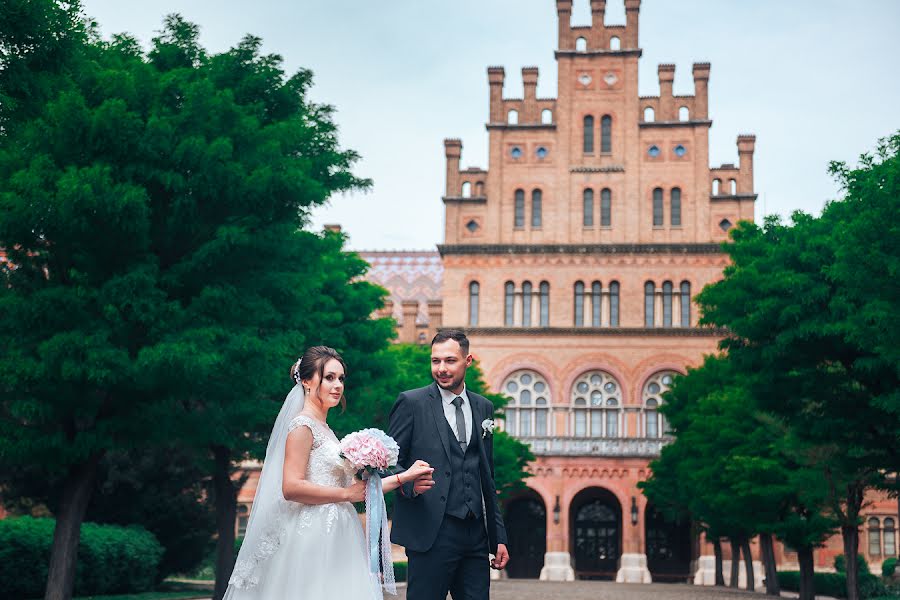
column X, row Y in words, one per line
column 826, row 584
column 111, row 559
column 888, row 566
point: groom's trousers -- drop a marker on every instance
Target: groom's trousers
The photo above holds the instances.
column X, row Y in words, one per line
column 457, row 562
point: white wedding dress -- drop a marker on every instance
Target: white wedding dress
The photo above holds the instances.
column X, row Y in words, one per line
column 317, row 551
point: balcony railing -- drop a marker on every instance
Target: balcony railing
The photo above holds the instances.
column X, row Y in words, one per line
column 609, row 447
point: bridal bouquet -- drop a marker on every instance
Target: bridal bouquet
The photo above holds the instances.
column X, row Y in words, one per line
column 370, row 452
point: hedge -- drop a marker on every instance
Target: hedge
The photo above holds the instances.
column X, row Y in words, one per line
column 833, row 584
column 111, row 559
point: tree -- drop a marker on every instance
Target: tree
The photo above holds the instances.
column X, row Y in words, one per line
column 408, row 366
column 805, row 331
column 730, row 468
column 158, row 282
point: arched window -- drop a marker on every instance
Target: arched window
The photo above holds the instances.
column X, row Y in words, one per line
column 588, row 134
column 649, row 114
column 717, row 184
column 605, row 207
column 732, row 185
column 606, row 133
column 526, row 304
column 512, row 117
column 519, row 209
column 473, row 304
column 890, row 540
column 479, row 189
column 685, row 304
column 546, row 117
column 614, row 304
column 657, row 207
column 596, row 405
column 684, row 114
column 667, row 303
column 536, row 197
column 588, row 196
column 545, row 304
column 596, row 299
column 615, row 43
column 874, row 537
column 581, row 45
column 649, row 300
column 466, row 189
column 659, row 383
column 509, row 299
column 579, row 304
column 526, row 415
column 675, row 208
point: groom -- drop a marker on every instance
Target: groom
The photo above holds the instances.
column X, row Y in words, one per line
column 450, row 521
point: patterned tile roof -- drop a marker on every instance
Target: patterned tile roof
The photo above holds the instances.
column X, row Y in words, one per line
column 407, row 275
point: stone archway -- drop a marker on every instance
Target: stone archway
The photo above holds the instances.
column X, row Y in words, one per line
column 668, row 545
column 595, row 518
column 526, row 529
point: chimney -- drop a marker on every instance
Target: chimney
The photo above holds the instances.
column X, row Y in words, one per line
column 666, row 100
column 496, row 75
column 564, row 12
column 701, row 91
column 453, row 151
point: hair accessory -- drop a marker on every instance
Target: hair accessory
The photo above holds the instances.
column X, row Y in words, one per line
column 296, row 370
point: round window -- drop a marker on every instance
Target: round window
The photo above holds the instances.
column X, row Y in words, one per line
column 516, row 152
column 653, row 151
column 541, row 152
column 680, row 150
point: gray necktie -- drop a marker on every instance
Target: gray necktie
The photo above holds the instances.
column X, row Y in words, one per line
column 460, row 424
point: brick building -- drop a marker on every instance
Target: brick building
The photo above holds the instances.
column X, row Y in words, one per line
column 571, row 263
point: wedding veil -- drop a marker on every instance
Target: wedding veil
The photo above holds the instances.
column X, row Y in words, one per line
column 264, row 529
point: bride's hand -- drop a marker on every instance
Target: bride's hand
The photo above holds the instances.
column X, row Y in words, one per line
column 356, row 492
column 419, row 468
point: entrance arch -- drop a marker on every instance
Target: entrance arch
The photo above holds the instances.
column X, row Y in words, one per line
column 596, row 533
column 668, row 546
column 526, row 530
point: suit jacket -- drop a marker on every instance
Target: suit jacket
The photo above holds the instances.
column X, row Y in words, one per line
column 418, row 424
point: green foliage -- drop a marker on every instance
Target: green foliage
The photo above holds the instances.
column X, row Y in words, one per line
column 825, row 584
column 888, row 566
column 840, row 564
column 111, row 559
column 403, row 367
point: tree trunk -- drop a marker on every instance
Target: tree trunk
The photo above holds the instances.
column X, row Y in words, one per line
column 717, row 550
column 850, row 533
column 226, row 512
column 748, row 564
column 805, row 558
column 851, row 540
column 768, row 555
column 735, row 562
column 76, row 494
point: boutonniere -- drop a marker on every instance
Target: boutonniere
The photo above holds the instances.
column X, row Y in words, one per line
column 487, row 428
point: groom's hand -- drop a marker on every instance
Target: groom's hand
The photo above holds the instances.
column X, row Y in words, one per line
column 501, row 558
column 422, row 484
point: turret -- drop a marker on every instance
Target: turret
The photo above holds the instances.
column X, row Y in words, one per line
column 496, row 75
column 666, row 100
column 632, row 10
column 701, row 91
column 452, row 151
column 564, row 12
column 530, row 107
column 746, row 146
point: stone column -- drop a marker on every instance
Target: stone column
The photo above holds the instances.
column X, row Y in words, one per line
column 633, row 562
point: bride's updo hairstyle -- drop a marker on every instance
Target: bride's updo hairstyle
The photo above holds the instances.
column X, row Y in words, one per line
column 312, row 362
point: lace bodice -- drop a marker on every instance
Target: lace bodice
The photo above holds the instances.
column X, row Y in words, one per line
column 325, row 467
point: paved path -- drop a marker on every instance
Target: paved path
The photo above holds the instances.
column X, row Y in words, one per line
column 604, row 590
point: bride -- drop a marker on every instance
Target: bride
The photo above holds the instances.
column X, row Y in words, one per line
column 304, row 538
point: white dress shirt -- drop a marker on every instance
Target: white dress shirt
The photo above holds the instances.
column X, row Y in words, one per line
column 450, row 411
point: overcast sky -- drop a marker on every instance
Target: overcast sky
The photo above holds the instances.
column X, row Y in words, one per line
column 815, row 80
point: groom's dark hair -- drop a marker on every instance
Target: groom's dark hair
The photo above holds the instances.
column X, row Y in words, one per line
column 453, row 334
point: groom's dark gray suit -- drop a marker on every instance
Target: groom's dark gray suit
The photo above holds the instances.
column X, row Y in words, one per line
column 447, row 531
